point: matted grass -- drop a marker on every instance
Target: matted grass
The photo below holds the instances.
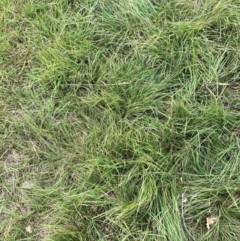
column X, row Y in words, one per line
column 120, row 120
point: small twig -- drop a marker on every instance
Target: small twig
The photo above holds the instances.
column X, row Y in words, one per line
column 183, row 219
column 238, row 145
column 104, row 84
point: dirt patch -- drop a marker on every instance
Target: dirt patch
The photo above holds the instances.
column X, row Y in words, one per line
column 12, row 157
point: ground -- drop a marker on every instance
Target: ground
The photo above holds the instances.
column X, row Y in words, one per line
column 120, row 120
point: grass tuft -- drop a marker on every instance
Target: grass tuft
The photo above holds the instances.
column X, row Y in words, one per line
column 119, row 120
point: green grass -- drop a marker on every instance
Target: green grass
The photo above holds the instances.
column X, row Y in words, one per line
column 111, row 112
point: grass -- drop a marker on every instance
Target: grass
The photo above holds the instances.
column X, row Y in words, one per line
column 119, row 120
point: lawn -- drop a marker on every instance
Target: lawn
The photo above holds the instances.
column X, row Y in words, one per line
column 120, row 120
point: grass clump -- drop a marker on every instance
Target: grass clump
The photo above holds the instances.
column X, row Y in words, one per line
column 119, row 120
